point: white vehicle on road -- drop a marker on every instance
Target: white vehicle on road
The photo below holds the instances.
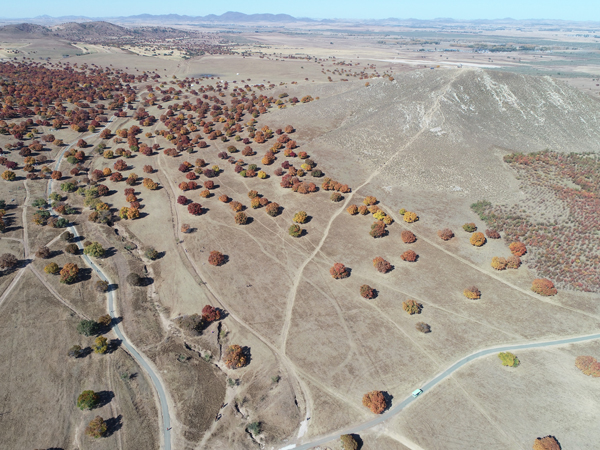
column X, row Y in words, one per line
column 417, row 392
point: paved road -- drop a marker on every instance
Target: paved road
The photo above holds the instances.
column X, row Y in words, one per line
column 141, row 360
column 436, row 380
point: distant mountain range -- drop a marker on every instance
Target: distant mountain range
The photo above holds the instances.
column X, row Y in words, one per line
column 241, row 18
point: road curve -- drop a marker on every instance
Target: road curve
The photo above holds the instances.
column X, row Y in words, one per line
column 435, row 381
column 141, row 360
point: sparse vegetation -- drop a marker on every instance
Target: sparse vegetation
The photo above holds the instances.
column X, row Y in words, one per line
column 508, row 359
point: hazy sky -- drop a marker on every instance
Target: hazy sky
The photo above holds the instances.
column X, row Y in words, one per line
column 356, row 9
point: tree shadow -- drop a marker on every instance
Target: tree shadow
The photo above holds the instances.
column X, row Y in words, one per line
column 308, row 219
column 249, row 220
column 104, row 398
column 113, row 425
column 109, row 252
column 85, row 352
column 84, row 274
column 246, row 352
column 146, row 281
column 112, row 287
column 162, row 254
column 388, row 400
column 113, row 346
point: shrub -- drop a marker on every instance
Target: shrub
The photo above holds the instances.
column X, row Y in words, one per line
column 68, row 274
column 95, row 249
column 423, row 327
column 412, row 307
column 195, row 209
column 241, row 218
column 378, row 230
column 348, row 442
column 234, row 357
column 336, row 197
column 517, row 248
column 375, row 401
column 409, row 256
column 272, row 209
column 408, row 237
column 151, row 253
column 472, row 293
column 216, row 258
column 477, row 239
column 513, row 262
column 588, row 365
column 546, row 443
column 75, row 351
column 469, row 227
column 87, row 400
column 101, row 286
column 382, row 265
column 96, row 428
column 52, row 268
column 367, row 291
column 410, row 217
column 369, row 200
column 300, row 217
column 295, row 230
column 492, row 234
column 338, row 271
column 508, row 359
column 543, row 286
column 499, row 263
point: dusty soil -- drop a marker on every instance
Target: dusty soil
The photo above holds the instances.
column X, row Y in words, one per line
column 47, row 395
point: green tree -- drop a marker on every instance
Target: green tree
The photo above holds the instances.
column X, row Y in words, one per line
column 94, row 249
column 508, row 359
column 87, row 400
column 87, row 327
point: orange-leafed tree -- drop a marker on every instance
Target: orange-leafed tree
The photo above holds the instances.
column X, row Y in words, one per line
column 472, row 292
column 588, row 365
column 338, row 271
column 382, row 265
column 409, row 256
column 216, row 258
column 518, row 248
column 446, row 234
column 543, row 286
column 408, row 237
column 234, row 357
column 367, row 291
column 499, row 263
column 477, row 239
column 546, row 443
column 412, row 307
column 375, row 401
